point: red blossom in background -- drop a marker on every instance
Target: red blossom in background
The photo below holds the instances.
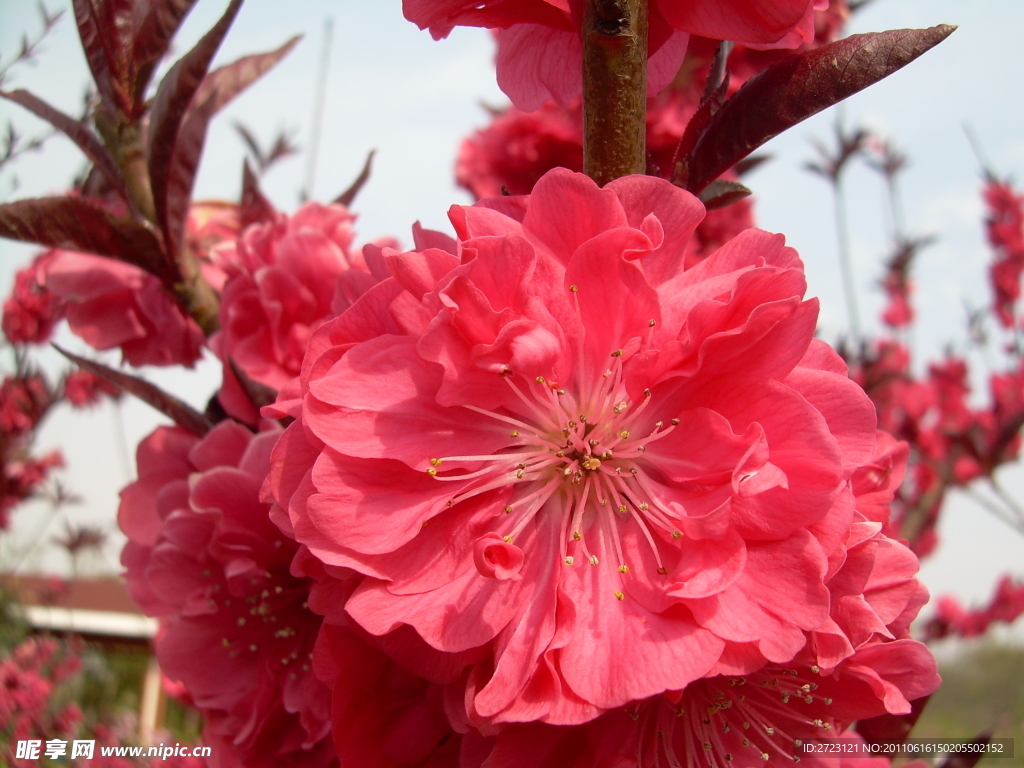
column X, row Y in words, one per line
column 32, row 311
column 82, row 388
column 1006, row 606
column 1005, row 226
column 204, row 557
column 518, row 148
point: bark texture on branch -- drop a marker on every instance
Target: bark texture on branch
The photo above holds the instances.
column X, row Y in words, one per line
column 614, row 88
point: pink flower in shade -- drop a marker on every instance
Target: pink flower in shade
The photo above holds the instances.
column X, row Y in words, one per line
column 539, row 50
column 284, row 279
column 518, row 148
column 31, row 311
column 612, row 475
column 383, row 716
column 209, row 224
column 111, row 304
column 204, row 556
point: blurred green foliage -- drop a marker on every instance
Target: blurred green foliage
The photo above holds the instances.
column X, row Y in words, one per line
column 982, row 689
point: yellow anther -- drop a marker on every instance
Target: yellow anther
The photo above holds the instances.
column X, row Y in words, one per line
column 651, row 323
column 663, row 571
column 432, row 472
column 540, row 379
column 647, row 393
column 633, row 470
column 435, row 462
column 560, row 454
column 675, row 422
column 241, row 622
column 508, row 509
column 507, row 539
column 622, row 508
column 225, row 642
column 828, row 700
column 569, row 560
column 576, row 536
column 624, row 433
column 593, row 559
column 583, row 418
column 816, row 669
column 617, row 353
column 707, row 746
column 591, row 462
column 644, row 506
column 623, row 569
column 561, row 391
column 659, row 424
column 425, row 524
column 677, row 534
column 520, row 473
column 593, row 443
column 641, row 448
column 572, row 424
column 619, row 595
column 514, row 433
column 574, row 288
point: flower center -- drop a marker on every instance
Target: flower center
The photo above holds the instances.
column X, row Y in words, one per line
column 748, row 719
column 579, row 454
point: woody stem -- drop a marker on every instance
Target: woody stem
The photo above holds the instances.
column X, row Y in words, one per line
column 614, row 88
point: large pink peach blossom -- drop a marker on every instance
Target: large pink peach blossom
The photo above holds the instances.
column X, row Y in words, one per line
column 283, row 279
column 612, row 474
column 203, row 555
column 110, row 304
column 539, row 50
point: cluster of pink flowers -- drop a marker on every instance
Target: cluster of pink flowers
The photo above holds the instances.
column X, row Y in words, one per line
column 951, row 618
column 576, row 487
column 29, row 677
column 203, row 555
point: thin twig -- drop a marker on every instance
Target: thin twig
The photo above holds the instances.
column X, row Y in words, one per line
column 846, row 262
column 995, row 510
column 316, row 121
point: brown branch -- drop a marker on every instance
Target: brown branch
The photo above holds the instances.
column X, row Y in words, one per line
column 614, row 88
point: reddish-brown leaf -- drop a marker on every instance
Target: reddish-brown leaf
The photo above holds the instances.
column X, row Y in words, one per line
column 891, row 728
column 346, row 197
column 172, row 181
column 213, row 93
column 153, row 38
column 105, row 27
column 180, row 412
column 722, row 192
column 77, row 225
column 78, row 132
column 797, row 87
column 224, row 83
column 254, row 207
